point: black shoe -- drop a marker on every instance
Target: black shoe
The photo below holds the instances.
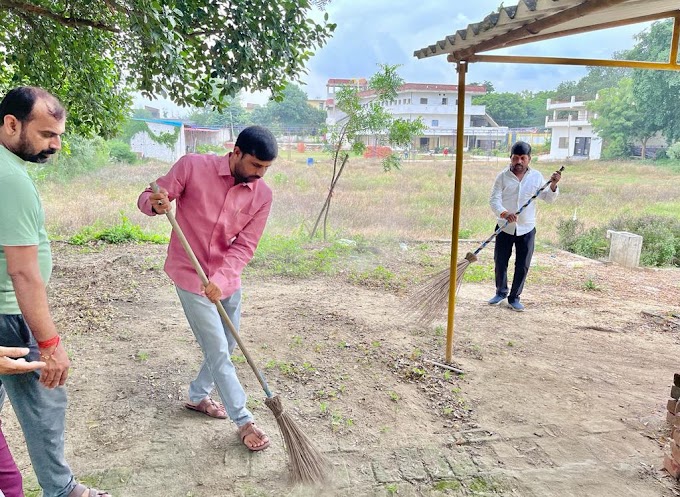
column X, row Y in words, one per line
column 516, row 306
column 496, row 299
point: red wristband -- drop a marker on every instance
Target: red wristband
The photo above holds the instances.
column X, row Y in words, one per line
column 52, row 342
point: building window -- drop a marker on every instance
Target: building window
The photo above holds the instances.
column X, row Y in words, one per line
column 435, row 123
column 445, row 101
column 563, row 143
column 423, row 101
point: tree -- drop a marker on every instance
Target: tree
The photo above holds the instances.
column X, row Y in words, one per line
column 486, row 84
column 231, row 115
column 291, row 112
column 620, row 120
column 536, row 104
column 369, row 119
column 507, row 109
column 93, row 54
column 597, row 78
column 657, row 92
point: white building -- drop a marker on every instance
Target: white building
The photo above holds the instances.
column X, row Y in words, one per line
column 185, row 137
column 149, row 146
column 437, row 106
column 572, row 133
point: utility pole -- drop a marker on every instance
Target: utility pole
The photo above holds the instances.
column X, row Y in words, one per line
column 231, row 123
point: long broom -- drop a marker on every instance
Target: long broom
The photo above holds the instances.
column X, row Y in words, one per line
column 431, row 298
column 307, row 464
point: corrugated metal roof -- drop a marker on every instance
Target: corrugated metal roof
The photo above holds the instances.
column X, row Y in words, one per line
column 169, row 122
column 533, row 20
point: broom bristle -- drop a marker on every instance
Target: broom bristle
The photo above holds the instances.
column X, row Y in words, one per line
column 307, row 464
column 430, row 300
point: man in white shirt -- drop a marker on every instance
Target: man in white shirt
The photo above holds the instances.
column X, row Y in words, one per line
column 513, row 187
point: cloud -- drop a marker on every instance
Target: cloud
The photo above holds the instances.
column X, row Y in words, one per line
column 370, row 32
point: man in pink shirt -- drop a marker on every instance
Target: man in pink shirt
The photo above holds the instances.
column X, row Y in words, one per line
column 222, row 207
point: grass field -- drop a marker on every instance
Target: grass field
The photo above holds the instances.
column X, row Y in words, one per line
column 410, row 204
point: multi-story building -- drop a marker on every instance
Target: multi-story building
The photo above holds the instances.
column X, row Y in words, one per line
column 437, row 106
column 573, row 136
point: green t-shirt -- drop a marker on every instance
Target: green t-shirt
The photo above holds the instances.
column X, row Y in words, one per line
column 22, row 223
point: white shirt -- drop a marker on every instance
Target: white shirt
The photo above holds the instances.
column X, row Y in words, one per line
column 509, row 194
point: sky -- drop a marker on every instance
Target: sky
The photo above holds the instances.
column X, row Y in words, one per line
column 372, row 32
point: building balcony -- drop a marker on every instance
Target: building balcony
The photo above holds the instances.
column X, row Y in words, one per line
column 565, row 123
column 434, row 110
column 573, row 104
column 478, row 131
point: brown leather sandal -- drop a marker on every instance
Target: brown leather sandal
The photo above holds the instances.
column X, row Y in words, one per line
column 208, row 407
column 80, row 489
column 250, row 429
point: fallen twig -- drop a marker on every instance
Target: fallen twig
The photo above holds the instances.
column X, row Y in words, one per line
column 445, row 366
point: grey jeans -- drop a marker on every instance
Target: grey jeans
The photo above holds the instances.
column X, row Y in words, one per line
column 217, row 345
column 40, row 411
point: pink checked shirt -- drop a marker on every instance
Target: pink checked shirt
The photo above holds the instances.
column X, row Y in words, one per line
column 222, row 222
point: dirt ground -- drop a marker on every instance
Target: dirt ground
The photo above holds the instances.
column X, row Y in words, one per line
column 565, row 399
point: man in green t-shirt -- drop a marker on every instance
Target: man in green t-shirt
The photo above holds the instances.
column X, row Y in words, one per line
column 31, row 124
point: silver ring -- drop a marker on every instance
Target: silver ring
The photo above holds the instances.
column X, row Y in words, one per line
column 160, row 202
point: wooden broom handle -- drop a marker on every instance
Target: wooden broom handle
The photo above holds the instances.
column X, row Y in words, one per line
column 220, row 308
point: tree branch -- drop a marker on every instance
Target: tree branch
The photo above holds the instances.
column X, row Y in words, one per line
column 29, row 9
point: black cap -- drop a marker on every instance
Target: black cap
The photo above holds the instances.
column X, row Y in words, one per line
column 520, row 148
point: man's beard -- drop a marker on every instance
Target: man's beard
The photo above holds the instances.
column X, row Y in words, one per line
column 23, row 150
column 238, row 176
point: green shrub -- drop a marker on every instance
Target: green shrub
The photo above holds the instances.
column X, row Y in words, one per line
column 592, row 243
column 207, row 149
column 293, row 256
column 125, row 232
column 79, row 155
column 574, row 238
column 661, row 154
column 617, row 148
column 121, row 151
column 568, row 230
column 673, row 152
column 541, row 148
column 660, row 238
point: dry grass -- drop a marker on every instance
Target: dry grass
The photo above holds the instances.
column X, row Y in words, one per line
column 411, row 204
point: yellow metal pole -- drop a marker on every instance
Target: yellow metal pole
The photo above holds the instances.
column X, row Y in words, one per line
column 566, row 61
column 461, row 67
column 675, row 40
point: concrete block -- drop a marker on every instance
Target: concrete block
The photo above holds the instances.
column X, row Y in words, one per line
column 437, row 466
column 675, row 451
column 625, row 248
column 675, row 435
column 412, row 468
column 671, row 466
column 385, row 471
column 675, row 392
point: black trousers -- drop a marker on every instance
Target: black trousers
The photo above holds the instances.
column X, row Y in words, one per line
column 524, row 250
